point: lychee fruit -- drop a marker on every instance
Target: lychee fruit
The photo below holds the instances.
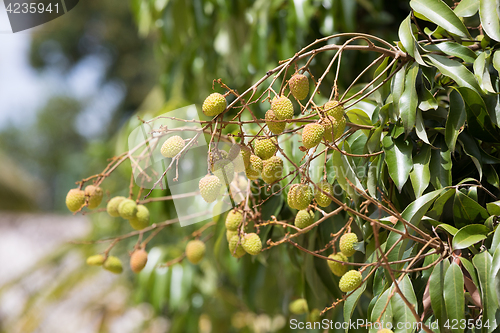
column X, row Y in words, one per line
column 127, row 209
column 350, row 281
column 282, row 107
column 141, row 218
column 298, row 306
column 138, row 260
column 75, row 199
column 112, row 207
column 224, row 170
column 254, row 168
column 300, row 196
column 322, row 199
column 195, row 251
column 95, row 260
column 332, row 108
column 312, row 135
column 336, row 267
column 275, row 127
column 245, row 153
column 236, row 158
column 233, row 219
column 94, row 193
column 230, row 234
column 272, row 169
column 299, row 86
column 252, row 243
column 330, row 124
column 265, row 148
column 346, row 243
column 113, row 264
column 340, row 127
column 236, row 249
column 304, row 218
column 210, row 187
column 172, row 146
column 214, row 105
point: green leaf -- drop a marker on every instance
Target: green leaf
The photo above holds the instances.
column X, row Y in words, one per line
column 496, row 240
column 351, row 302
column 483, row 264
column 427, row 101
column 453, row 49
column 493, row 208
column 441, row 164
column 420, row 176
column 470, row 268
column 401, row 312
column 397, row 87
column 454, row 70
column 467, row 211
column 420, row 128
column 450, row 229
column 409, row 99
column 417, row 209
column 436, row 287
column 379, row 307
column 488, row 13
column 469, row 235
column 439, row 13
column 467, row 8
column 408, row 40
column 398, row 159
column 454, row 297
column 344, row 170
column 456, row 119
column 481, row 72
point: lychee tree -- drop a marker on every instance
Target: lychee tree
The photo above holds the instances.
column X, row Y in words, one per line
column 383, row 195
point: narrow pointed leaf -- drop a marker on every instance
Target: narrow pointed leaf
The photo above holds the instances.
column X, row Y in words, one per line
column 409, row 99
column 488, row 13
column 454, row 297
column 420, row 176
column 454, row 70
column 469, row 235
column 456, row 119
column 398, row 159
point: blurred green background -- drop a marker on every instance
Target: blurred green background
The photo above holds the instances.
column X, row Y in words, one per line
column 105, row 63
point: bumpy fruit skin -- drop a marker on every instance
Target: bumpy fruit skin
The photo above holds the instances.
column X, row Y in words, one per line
column 385, row 330
column 312, row 135
column 350, row 281
column 95, row 260
column 224, row 170
column 113, row 264
column 336, row 267
column 340, row 128
column 300, row 196
column 299, row 86
column 282, row 107
column 330, row 124
column 299, row 306
column 246, row 152
column 321, row 198
column 214, row 104
column 75, row 199
column 230, row 234
column 346, row 244
column 275, row 127
column 332, row 108
column 112, row 207
column 94, row 193
column 272, row 169
column 252, row 243
column 141, row 219
column 314, row 315
column 233, row 219
column 254, row 168
column 127, row 209
column 233, row 244
column 138, row 260
column 172, row 146
column 265, row 148
column 210, row 187
column 195, row 251
column 304, row 218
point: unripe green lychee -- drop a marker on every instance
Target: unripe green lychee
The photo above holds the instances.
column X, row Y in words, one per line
column 210, row 187
column 330, row 124
column 332, row 108
column 75, row 199
column 172, row 146
column 282, row 107
column 230, row 234
column 236, row 249
column 224, row 170
column 304, row 218
column 94, row 193
column 252, row 243
column 350, row 281
column 385, row 330
column 322, row 199
column 127, row 209
column 265, row 148
column 95, row 260
column 214, row 104
column 300, row 196
column 272, row 169
column 254, row 168
column 245, row 152
column 195, row 251
column 275, row 127
column 299, row 86
column 138, row 260
column 314, row 315
column 340, row 127
column 233, row 219
column 113, row 264
column 312, row 135
column 112, row 207
column 346, row 243
column 298, row 306
column 336, row 267
column 141, row 219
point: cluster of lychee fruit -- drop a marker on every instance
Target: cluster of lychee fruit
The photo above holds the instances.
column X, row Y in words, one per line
column 77, row 198
column 248, row 242
column 350, row 279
